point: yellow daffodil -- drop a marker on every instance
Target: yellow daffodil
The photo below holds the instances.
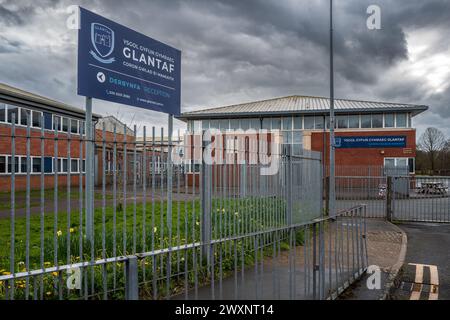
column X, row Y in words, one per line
column 72, row 230
column 155, row 229
column 59, row 233
column 55, row 274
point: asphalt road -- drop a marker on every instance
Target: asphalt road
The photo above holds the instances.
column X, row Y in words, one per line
column 426, row 272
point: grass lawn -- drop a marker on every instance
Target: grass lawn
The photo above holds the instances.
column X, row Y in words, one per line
column 35, row 197
column 58, row 238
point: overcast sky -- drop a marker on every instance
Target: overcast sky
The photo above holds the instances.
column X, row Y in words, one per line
column 239, row 51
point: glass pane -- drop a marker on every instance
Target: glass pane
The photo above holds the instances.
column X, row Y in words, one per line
column 255, row 124
column 2, row 164
column 82, row 128
column 276, row 123
column 205, row 124
column 73, row 126
column 65, row 126
column 13, row 110
column 23, row 164
column 214, row 124
column 234, row 124
column 298, row 122
column 327, row 122
column 287, row 137
column 16, row 164
column 389, row 120
column 224, row 124
column 401, row 120
column 319, row 122
column 309, row 122
column 24, row 116
column 402, row 162
column 353, row 121
column 411, row 165
column 36, row 163
column 74, row 165
column 64, row 169
column 287, row 123
column 57, row 123
column 389, row 163
column 197, row 126
column 266, row 123
column 37, row 117
column 377, row 121
column 366, row 121
column 298, row 137
column 2, row 112
column 342, row 121
column 245, row 124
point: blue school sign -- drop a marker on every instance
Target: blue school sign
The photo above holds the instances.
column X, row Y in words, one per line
column 120, row 65
column 371, row 142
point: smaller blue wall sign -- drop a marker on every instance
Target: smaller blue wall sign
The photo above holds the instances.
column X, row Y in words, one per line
column 371, row 142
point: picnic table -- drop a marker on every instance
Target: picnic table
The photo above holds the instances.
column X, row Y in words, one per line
column 432, row 188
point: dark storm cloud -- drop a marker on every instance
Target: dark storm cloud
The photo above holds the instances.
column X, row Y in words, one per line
column 235, row 51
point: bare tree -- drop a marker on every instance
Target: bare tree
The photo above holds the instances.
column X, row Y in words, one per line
column 432, row 141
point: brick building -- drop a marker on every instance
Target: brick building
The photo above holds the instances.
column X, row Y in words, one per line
column 368, row 134
column 51, row 123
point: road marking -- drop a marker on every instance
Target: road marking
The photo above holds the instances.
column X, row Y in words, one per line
column 417, row 290
column 434, row 281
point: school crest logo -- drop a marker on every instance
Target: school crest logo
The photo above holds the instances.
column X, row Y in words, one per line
column 102, row 38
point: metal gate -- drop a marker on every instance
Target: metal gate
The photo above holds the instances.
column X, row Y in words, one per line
column 420, row 198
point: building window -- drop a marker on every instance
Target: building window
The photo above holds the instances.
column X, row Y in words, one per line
column 65, row 124
column 353, row 121
column 287, row 123
column 48, row 165
column 48, row 121
column 25, row 114
column 366, row 121
column 37, row 119
column 224, row 125
column 2, row 164
column 13, row 110
column 74, row 165
column 255, row 124
column 205, row 124
column 23, row 164
column 266, row 123
column 83, row 128
column 245, row 124
column 308, row 122
column 73, row 126
column 16, row 164
column 298, row 123
column 377, row 121
column 57, row 123
column 342, row 121
column 319, row 122
column 234, row 124
column 276, row 123
column 213, row 124
column 400, row 163
column 401, row 120
column 36, row 165
column 389, row 120
column 2, row 112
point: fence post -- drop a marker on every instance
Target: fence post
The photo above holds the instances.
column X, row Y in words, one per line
column 205, row 202
column 289, row 173
column 389, row 199
column 132, row 283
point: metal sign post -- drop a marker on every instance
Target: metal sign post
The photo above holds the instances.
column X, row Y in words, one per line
column 89, row 171
column 331, row 185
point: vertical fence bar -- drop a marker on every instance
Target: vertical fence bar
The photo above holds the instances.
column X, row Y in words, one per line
column 42, row 205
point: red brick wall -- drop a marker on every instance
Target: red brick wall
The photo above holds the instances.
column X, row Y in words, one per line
column 366, row 156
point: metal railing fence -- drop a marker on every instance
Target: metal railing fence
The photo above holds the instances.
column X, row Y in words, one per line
column 222, row 231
